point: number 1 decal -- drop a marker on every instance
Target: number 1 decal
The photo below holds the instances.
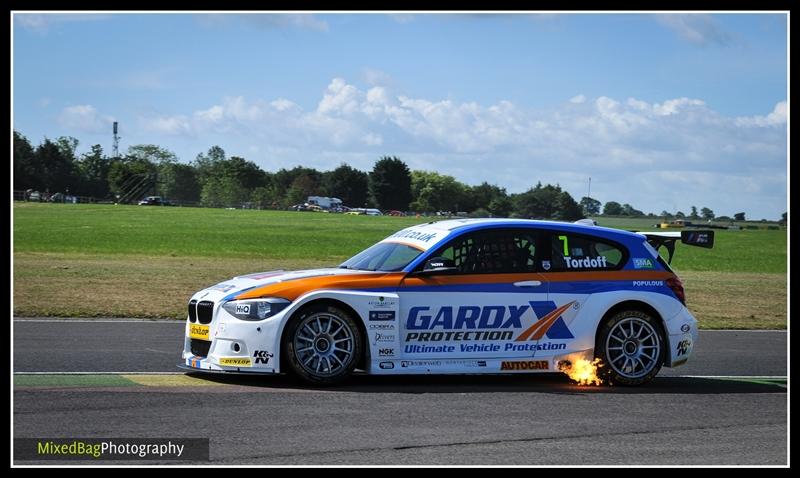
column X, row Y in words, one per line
column 566, row 245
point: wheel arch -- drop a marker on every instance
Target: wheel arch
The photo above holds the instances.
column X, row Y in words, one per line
column 327, row 301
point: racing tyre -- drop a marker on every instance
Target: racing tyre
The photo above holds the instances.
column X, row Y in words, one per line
column 631, row 346
column 322, row 345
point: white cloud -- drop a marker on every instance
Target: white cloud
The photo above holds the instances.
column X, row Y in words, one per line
column 668, row 154
column 402, row 17
column 671, row 107
column 577, row 99
column 371, row 139
column 776, row 118
column 84, row 118
column 168, row 125
column 340, row 98
column 699, row 29
column 264, row 21
column 282, row 104
column 152, row 79
column 375, row 77
column 41, row 22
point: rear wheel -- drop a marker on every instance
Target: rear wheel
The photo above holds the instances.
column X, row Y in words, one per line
column 322, row 344
column 631, row 346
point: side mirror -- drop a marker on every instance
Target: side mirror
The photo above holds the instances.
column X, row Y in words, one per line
column 439, row 265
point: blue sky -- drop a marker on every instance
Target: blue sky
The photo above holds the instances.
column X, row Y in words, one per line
column 662, row 111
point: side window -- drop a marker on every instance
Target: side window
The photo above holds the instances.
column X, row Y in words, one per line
column 492, row 252
column 571, row 252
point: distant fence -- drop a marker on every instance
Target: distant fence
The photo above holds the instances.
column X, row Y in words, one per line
column 38, row 196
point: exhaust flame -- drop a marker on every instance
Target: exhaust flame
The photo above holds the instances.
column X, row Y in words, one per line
column 582, row 371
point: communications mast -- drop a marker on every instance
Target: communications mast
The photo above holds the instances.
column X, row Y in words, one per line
column 115, row 146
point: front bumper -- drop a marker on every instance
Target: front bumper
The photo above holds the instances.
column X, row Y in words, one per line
column 233, row 345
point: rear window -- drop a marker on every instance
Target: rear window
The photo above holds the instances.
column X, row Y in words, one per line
column 575, row 252
column 657, row 256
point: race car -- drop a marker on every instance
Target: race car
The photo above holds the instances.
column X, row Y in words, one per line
column 466, row 296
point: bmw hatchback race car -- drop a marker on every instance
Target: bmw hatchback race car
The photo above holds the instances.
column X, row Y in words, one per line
column 471, row 296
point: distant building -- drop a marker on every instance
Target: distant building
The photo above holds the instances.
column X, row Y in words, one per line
column 324, row 202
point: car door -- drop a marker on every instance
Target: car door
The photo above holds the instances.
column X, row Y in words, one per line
column 484, row 308
column 576, row 266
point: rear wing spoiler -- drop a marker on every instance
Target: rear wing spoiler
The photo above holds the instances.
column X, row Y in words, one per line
column 699, row 238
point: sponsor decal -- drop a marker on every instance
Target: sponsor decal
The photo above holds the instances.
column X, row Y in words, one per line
column 236, row 361
column 263, row 275
column 546, row 265
column 537, row 330
column 381, row 326
column 197, row 331
column 242, row 308
column 488, row 335
column 585, row 263
column 697, row 238
column 415, row 235
column 466, row 363
column 466, row 317
column 262, row 356
column 525, row 365
column 429, row 349
column 382, row 303
column 648, row 283
column 378, row 315
column 684, row 346
column 643, row 263
column 379, row 337
column 685, row 328
column 420, row 363
column 386, row 365
column 487, row 324
column 526, row 347
column 223, row 287
column 480, row 348
column 385, row 352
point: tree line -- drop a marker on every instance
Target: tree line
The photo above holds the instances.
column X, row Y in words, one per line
column 215, row 180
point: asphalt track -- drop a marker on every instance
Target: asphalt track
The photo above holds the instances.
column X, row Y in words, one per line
column 688, row 415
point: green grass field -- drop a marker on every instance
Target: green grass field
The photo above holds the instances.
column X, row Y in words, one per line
column 106, row 260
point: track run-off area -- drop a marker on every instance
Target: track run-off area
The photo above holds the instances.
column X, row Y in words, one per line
column 118, row 378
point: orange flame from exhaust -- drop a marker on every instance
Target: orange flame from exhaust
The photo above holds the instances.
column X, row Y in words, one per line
column 583, row 371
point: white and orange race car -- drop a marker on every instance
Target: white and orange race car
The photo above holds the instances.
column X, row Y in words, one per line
column 472, row 296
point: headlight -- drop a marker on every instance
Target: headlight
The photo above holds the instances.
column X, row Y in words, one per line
column 255, row 309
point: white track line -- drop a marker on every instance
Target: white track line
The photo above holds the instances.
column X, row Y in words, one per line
column 743, row 330
column 750, row 377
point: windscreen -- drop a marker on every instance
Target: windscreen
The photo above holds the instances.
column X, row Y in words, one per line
column 383, row 256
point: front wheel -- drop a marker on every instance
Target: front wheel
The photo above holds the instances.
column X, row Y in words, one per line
column 631, row 346
column 322, row 345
